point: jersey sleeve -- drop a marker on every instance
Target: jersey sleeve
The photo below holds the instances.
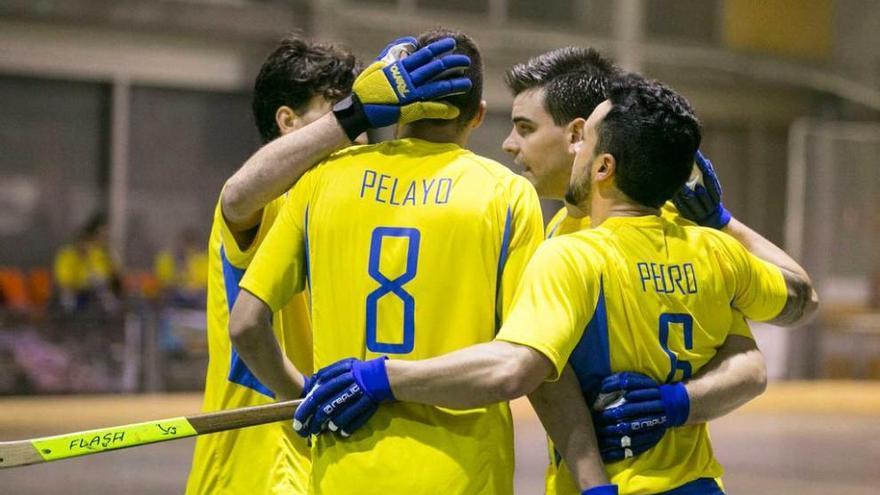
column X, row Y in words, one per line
column 759, row 289
column 241, row 256
column 555, row 300
column 739, row 326
column 525, row 234
column 279, row 266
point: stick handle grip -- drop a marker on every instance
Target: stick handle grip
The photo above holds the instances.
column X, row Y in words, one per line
column 247, row 416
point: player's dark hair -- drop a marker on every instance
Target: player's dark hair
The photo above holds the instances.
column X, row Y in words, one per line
column 296, row 71
column 652, row 133
column 575, row 81
column 467, row 103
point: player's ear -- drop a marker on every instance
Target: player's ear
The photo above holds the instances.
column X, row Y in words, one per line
column 286, row 119
column 479, row 117
column 574, row 131
column 605, row 167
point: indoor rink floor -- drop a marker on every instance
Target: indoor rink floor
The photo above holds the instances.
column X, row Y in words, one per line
column 797, row 439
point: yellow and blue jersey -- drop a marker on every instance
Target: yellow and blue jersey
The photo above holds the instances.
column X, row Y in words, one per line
column 647, row 295
column 268, row 459
column 410, row 249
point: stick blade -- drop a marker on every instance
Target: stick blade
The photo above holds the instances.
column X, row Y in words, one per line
column 18, row 453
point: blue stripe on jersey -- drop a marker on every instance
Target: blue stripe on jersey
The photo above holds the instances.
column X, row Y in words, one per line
column 502, row 260
column 553, row 230
column 591, row 358
column 238, row 370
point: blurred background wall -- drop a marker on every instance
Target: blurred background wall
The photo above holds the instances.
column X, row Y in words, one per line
column 140, row 108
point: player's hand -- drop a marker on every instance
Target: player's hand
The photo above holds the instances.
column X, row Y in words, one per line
column 699, row 200
column 397, row 88
column 601, row 490
column 345, row 396
column 634, row 412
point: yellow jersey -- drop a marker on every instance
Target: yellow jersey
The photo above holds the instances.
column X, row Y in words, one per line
column 411, row 249
column 558, row 480
column 647, row 295
column 85, row 268
column 268, row 459
column 188, row 272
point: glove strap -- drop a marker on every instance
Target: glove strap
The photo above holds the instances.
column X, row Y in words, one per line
column 601, row 490
column 373, row 377
column 718, row 219
column 677, row 402
column 350, row 114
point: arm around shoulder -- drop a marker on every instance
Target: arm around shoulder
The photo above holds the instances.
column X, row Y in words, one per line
column 802, row 300
column 475, row 376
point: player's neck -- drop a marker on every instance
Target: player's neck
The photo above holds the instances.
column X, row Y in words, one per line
column 576, row 211
column 434, row 133
column 604, row 208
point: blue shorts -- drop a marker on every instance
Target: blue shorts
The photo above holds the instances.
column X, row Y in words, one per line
column 702, row 486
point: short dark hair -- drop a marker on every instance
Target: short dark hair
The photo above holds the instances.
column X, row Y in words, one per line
column 652, row 133
column 467, row 103
column 575, row 81
column 296, row 71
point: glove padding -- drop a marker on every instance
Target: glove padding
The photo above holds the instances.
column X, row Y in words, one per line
column 345, row 395
column 400, row 89
column 601, row 490
column 633, row 412
column 699, row 200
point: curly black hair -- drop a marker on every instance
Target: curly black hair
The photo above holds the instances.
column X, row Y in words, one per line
column 575, row 81
column 652, row 133
column 294, row 72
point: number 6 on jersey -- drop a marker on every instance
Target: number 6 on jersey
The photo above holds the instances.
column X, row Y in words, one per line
column 388, row 286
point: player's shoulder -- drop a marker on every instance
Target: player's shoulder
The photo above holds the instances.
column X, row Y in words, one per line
column 587, row 243
column 506, row 184
column 708, row 237
column 352, row 151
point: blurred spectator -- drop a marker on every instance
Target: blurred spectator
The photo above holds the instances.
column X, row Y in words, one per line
column 182, row 271
column 85, row 273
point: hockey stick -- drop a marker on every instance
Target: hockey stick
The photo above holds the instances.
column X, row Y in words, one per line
column 45, row 449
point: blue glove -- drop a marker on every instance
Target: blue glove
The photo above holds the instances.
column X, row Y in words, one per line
column 601, row 490
column 634, row 412
column 394, row 89
column 345, row 396
column 700, row 200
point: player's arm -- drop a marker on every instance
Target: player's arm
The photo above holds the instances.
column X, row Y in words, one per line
column 562, row 410
column 802, row 299
column 251, row 332
column 475, row 376
column 700, row 201
column 276, row 273
column 735, row 375
column 377, row 100
column 273, row 169
column 347, row 393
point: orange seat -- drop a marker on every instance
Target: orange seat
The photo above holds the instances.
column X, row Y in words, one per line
column 14, row 289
